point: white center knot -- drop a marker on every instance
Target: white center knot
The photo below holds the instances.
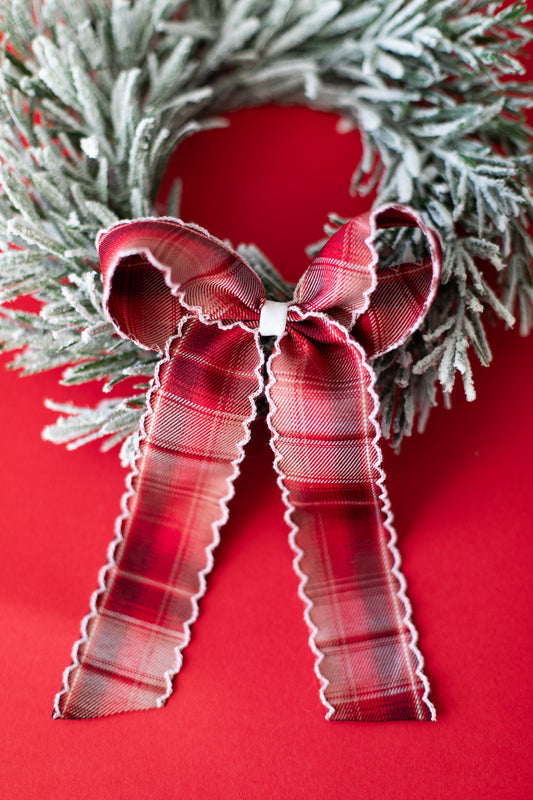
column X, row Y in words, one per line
column 273, row 318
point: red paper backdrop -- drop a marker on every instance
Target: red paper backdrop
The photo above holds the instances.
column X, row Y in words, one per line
column 245, row 720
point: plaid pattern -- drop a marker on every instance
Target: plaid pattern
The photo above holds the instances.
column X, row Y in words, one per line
column 325, row 432
column 172, row 287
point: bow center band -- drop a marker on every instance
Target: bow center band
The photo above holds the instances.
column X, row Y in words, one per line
column 273, row 318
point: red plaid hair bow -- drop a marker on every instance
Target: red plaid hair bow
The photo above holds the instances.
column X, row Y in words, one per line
column 173, row 288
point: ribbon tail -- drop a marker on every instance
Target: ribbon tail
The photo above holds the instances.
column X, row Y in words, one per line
column 325, row 439
column 190, row 446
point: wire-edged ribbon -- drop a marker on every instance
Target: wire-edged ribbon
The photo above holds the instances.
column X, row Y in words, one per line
column 173, row 288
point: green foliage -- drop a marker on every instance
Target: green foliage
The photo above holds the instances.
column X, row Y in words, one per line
column 96, row 95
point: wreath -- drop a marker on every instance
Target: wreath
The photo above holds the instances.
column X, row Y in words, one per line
column 96, row 95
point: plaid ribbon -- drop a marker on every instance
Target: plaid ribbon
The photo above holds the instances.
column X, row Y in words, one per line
column 174, row 288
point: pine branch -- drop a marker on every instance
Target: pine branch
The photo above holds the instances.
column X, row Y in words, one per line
column 96, row 96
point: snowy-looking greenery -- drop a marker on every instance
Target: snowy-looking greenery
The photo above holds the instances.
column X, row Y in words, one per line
column 95, row 95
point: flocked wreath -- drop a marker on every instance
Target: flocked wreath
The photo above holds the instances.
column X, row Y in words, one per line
column 95, row 96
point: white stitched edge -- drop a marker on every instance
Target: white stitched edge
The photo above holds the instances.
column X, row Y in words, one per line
column 141, row 435
column 174, row 290
column 433, row 242
column 289, row 508
column 216, row 526
column 388, row 524
column 175, row 220
column 383, row 505
column 400, row 594
column 119, row 526
column 393, row 538
column 125, row 514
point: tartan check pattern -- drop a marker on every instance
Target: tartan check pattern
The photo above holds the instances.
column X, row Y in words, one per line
column 174, row 288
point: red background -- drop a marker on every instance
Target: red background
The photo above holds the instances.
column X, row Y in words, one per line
column 245, row 720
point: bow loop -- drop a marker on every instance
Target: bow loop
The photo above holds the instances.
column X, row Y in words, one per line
column 342, row 276
column 403, row 293
column 381, row 307
column 156, row 271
